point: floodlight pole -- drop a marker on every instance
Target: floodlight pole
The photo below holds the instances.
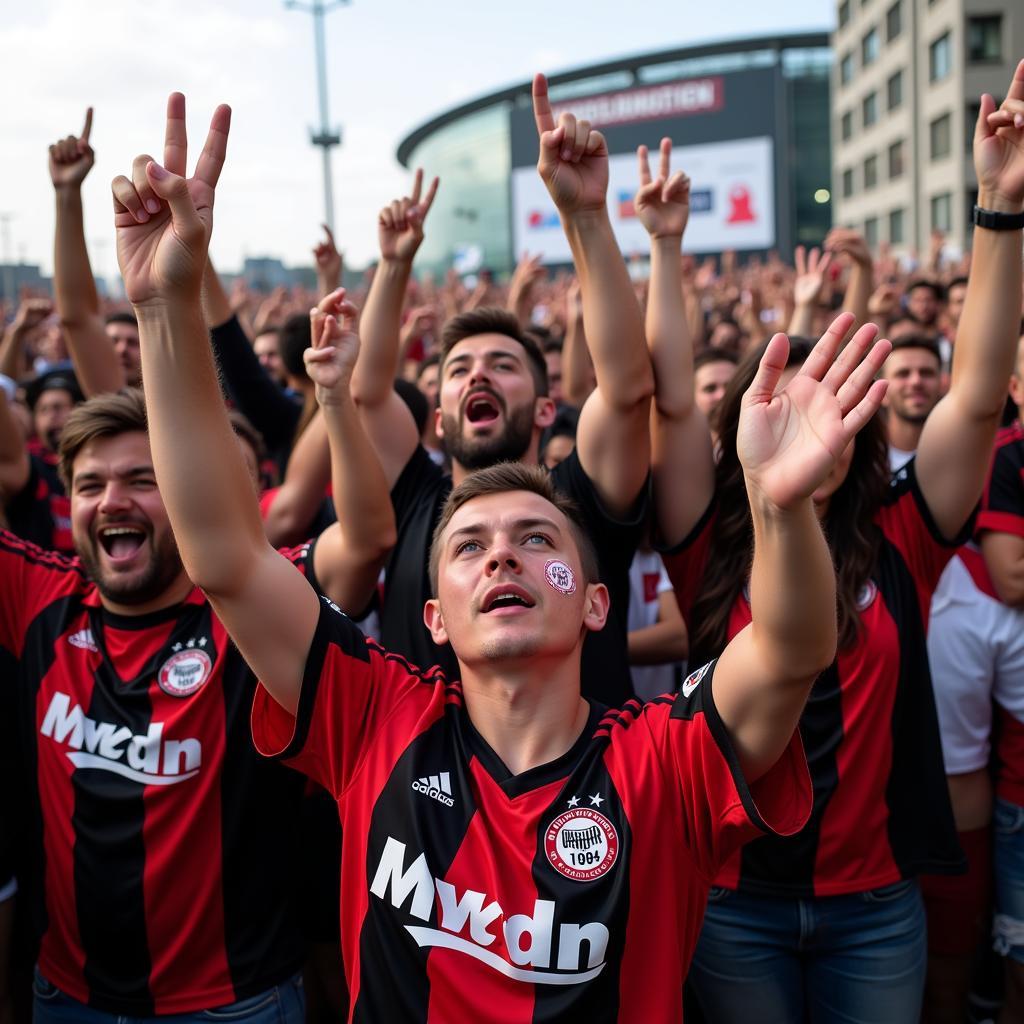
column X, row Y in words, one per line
column 323, row 137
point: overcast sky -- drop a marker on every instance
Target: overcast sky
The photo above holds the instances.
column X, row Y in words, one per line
column 391, row 65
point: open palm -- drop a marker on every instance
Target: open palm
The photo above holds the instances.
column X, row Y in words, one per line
column 164, row 220
column 788, row 442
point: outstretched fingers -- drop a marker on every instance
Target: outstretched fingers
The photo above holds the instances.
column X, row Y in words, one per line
column 175, row 135
column 87, row 128
column 823, row 354
column 859, row 382
column 128, row 205
column 858, row 416
column 769, row 371
column 211, row 160
column 542, row 105
column 643, row 166
column 849, row 359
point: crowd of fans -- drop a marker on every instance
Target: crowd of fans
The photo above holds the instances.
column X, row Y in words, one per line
column 885, row 893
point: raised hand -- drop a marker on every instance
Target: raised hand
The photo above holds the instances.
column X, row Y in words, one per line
column 72, row 158
column 810, row 274
column 999, row 148
column 164, row 219
column 335, row 346
column 849, row 243
column 31, row 313
column 788, row 442
column 573, row 161
column 400, row 225
column 662, row 203
column 328, row 263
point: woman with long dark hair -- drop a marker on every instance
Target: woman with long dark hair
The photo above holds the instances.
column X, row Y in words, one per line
column 829, row 925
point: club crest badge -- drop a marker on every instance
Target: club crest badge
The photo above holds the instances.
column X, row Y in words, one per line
column 581, row 844
column 184, row 672
column 560, row 577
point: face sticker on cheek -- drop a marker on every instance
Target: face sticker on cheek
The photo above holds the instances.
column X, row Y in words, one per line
column 560, row 577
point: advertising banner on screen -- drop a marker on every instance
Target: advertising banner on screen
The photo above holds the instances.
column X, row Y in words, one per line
column 732, row 201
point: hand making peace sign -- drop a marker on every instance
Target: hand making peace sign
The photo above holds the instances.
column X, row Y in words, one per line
column 164, row 220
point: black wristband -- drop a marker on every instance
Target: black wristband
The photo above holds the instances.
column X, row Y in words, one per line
column 998, row 221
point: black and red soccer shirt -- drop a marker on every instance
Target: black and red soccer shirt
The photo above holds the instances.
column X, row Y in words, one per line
column 1002, row 511
column 573, row 891
column 881, row 805
column 41, row 512
column 158, row 845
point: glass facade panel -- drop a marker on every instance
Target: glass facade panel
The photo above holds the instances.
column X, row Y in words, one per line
column 894, row 90
column 870, row 172
column 713, row 64
column 846, row 69
column 940, row 58
column 894, row 21
column 942, row 212
column 869, row 109
column 869, row 48
column 896, row 226
column 985, row 39
column 896, row 159
column 939, row 137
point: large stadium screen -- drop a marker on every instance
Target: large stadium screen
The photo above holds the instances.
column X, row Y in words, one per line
column 722, row 131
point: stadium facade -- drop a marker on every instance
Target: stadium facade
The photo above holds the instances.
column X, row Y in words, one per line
column 749, row 120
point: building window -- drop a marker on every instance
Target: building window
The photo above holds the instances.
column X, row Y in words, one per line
column 942, row 212
column 871, row 172
column 939, row 137
column 985, row 39
column 846, row 125
column 893, row 21
column 846, row 69
column 869, row 48
column 869, row 109
column 848, row 183
column 896, row 227
column 896, row 163
column 844, row 13
column 871, row 232
column 940, row 58
column 970, row 123
column 894, row 90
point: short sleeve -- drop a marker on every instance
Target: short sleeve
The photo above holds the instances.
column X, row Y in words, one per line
column 30, row 579
column 907, row 523
column 1002, row 505
column 349, row 689
column 685, row 563
column 720, row 809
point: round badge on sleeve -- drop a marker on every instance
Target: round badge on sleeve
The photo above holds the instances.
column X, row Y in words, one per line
column 559, row 576
column 184, row 672
column 581, row 844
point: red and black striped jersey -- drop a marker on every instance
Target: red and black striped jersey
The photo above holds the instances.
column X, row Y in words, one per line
column 157, row 845
column 870, row 728
column 41, row 513
column 572, row 891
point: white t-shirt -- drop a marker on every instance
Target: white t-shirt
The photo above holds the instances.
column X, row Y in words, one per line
column 898, row 458
column 647, row 582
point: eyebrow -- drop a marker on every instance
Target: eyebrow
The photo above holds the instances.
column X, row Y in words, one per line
column 133, row 471
column 490, row 354
column 520, row 525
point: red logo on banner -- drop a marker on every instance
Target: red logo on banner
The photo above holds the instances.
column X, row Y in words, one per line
column 739, row 206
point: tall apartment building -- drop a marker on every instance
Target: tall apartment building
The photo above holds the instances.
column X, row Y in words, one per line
column 907, row 78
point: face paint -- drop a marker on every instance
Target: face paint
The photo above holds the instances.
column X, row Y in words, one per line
column 560, row 577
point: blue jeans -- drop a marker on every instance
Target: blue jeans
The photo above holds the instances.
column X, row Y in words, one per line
column 857, row 959
column 1008, row 924
column 283, row 1004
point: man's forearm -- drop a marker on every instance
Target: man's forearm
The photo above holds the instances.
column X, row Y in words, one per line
column 858, row 293
column 305, row 484
column 204, row 483
column 792, row 590
column 380, row 330
column 667, row 331
column 610, row 311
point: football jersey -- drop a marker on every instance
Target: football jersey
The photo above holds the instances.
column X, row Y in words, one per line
column 870, row 727
column 41, row 513
column 157, row 847
column 572, row 891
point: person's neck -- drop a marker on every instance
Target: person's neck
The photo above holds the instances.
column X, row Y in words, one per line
column 531, row 457
column 904, row 434
column 172, row 595
column 528, row 715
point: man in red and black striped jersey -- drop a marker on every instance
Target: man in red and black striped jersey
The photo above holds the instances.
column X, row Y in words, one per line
column 512, row 852
column 159, row 854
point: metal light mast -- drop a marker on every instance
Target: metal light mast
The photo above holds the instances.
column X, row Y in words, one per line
column 323, row 137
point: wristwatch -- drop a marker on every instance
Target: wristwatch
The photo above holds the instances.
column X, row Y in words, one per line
column 998, row 221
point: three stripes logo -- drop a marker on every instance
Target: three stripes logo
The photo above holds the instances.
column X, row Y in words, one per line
column 437, row 787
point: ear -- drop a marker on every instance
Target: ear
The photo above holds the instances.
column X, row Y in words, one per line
column 595, row 607
column 438, row 431
column 1017, row 390
column 434, row 621
column 543, row 412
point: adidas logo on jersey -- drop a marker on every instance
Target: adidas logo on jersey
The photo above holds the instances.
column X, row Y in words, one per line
column 535, row 950
column 149, row 759
column 84, row 639
column 437, row 787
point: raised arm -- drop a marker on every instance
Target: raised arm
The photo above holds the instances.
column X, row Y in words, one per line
column 328, row 264
column 388, row 421
column 956, row 443
column 96, row 364
column 861, row 283
column 31, row 313
column 613, row 439
column 350, row 553
column 14, row 462
column 787, row 444
column 682, row 460
column 577, row 367
column 810, row 279
column 267, row 606
column 302, row 491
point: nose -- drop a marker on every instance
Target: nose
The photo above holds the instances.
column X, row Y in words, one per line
column 502, row 556
column 114, row 497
